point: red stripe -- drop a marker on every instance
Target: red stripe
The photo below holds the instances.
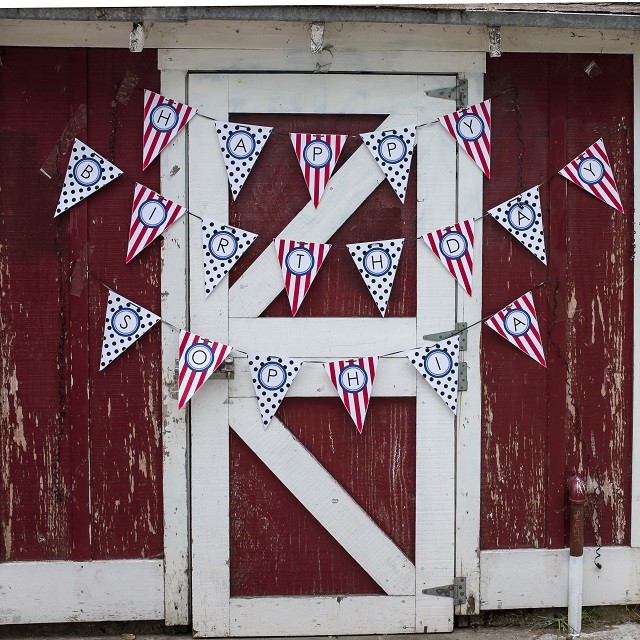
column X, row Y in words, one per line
column 147, row 105
column 532, row 328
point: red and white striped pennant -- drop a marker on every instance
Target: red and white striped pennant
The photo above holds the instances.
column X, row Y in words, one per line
column 151, row 214
column 454, row 246
column 317, row 155
column 592, row 171
column 518, row 323
column 353, row 380
column 471, row 127
column 199, row 358
column 300, row 262
column 163, row 120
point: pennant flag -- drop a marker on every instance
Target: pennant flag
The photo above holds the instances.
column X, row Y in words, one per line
column 199, row 358
column 518, row 323
column 163, row 120
column 223, row 246
column 124, row 323
column 317, row 155
column 392, row 149
column 378, row 263
column 353, row 380
column 471, row 127
column 438, row 365
column 272, row 376
column 592, row 171
column 151, row 214
column 87, row 172
column 454, row 246
column 522, row 218
column 300, row 262
column 241, row 145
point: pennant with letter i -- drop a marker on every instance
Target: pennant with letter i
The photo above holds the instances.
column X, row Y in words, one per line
column 353, row 380
column 471, row 128
column 378, row 263
column 522, row 218
column 241, row 145
column 438, row 365
column 518, row 323
column 198, row 359
column 272, row 377
column 454, row 246
column 124, row 323
column 300, row 262
column 592, row 171
column 87, row 172
column 151, row 214
column 392, row 149
column 163, row 120
column 317, row 155
column 223, row 246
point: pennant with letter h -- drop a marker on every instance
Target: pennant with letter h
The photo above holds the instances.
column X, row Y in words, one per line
column 518, row 323
column 353, row 380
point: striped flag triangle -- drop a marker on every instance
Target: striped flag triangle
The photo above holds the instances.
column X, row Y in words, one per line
column 454, row 246
column 471, row 127
column 163, row 120
column 317, row 155
column 592, row 171
column 300, row 262
column 151, row 214
column 353, row 380
column 518, row 323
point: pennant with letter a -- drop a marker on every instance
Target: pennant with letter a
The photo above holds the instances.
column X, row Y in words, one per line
column 471, row 128
column 317, row 155
column 198, row 359
column 438, row 365
column 378, row 263
column 300, row 262
column 163, row 120
column 522, row 218
column 392, row 149
column 353, row 380
column 241, row 145
column 87, row 172
column 518, row 323
column 592, row 171
column 272, row 377
column 223, row 246
column 454, row 246
column 124, row 323
column 151, row 214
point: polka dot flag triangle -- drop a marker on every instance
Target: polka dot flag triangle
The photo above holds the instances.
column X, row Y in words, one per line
column 272, row 377
column 522, row 218
column 438, row 365
column 392, row 149
column 377, row 263
column 241, row 145
column 518, row 323
column 124, row 323
column 223, row 246
column 87, row 172
column 198, row 358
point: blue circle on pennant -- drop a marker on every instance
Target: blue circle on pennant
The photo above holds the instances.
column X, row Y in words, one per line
column 199, row 357
column 386, row 259
column 453, row 245
column 125, row 322
column 230, row 247
column 325, row 158
column 519, row 316
column 433, row 366
column 306, row 261
column 280, row 376
column 396, row 156
column 345, row 378
column 587, row 174
column 513, row 218
column 147, row 211
column 82, row 166
column 161, row 120
column 466, row 127
column 241, row 137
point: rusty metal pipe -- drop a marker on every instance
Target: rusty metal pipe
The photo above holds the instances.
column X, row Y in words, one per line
column 577, row 499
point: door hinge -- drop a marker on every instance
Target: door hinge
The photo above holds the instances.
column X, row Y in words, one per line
column 459, row 93
column 463, row 379
column 226, row 371
column 457, row 591
column 460, row 330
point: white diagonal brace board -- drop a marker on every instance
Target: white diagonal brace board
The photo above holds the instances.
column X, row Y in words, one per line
column 325, row 499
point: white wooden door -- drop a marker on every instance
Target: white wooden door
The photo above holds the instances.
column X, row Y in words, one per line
column 233, row 315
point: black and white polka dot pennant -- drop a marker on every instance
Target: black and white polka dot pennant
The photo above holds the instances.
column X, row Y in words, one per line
column 223, row 245
column 272, row 377
column 241, row 145
column 522, row 218
column 438, row 365
column 87, row 172
column 124, row 323
column 392, row 149
column 377, row 263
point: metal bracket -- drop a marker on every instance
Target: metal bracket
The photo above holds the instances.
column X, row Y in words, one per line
column 459, row 93
column 457, row 591
column 461, row 330
column 463, row 380
column 226, row 371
